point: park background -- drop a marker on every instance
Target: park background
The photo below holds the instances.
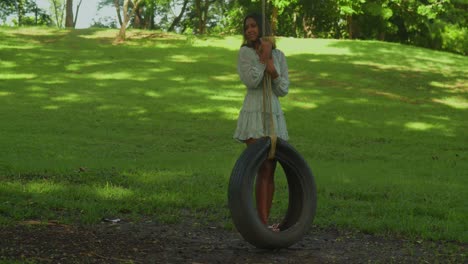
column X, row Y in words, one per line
column 139, row 126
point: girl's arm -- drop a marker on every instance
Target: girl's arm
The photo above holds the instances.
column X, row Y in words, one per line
column 280, row 85
column 250, row 68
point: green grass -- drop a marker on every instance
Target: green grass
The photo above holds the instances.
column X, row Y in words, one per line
column 383, row 127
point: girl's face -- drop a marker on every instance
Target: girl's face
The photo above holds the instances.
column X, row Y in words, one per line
column 251, row 30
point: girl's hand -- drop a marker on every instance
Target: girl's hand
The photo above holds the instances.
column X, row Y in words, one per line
column 270, row 68
column 264, row 51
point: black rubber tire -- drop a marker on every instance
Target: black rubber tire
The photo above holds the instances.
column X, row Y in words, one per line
column 302, row 196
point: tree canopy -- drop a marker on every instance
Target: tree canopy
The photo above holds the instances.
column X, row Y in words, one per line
column 435, row 24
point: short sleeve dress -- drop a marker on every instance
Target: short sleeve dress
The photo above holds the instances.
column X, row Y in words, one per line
column 250, row 123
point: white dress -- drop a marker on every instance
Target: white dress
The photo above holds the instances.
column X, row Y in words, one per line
column 251, row 71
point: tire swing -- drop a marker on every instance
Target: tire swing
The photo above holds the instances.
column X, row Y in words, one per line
column 302, row 195
column 301, row 185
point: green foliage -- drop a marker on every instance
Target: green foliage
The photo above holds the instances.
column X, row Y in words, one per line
column 7, row 7
column 104, row 22
column 455, row 39
column 435, row 24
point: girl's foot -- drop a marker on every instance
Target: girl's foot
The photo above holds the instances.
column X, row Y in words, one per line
column 274, row 228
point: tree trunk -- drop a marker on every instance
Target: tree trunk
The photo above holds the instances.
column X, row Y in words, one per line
column 349, row 20
column 20, row 8
column 76, row 13
column 204, row 16
column 179, row 17
column 69, row 14
column 307, row 26
column 121, row 36
column 274, row 20
column 198, row 11
column 201, row 9
column 138, row 22
column 58, row 13
column 123, row 26
column 117, row 8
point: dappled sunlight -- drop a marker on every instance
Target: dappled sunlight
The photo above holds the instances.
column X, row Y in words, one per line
column 137, row 110
column 53, row 81
column 230, row 113
column 341, row 119
column 386, row 55
column 226, row 77
column 70, row 97
column 38, row 31
column 38, row 95
column 418, row 126
column 384, row 65
column 152, row 94
column 442, row 118
column 161, row 69
column 98, row 34
column 226, row 97
column 456, row 102
column 36, row 88
column 303, row 105
column 136, row 36
column 294, row 46
column 17, row 76
column 3, row 93
column 154, row 62
column 229, row 42
column 458, row 86
column 110, row 191
column 423, row 126
column 24, row 47
column 109, row 107
column 183, row 58
column 178, row 79
column 7, row 64
column 79, row 66
column 117, row 76
column 51, row 107
column 390, row 95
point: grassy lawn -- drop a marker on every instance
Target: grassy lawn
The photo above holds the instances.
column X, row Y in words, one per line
column 143, row 130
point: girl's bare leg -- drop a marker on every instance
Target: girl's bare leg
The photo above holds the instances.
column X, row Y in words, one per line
column 265, row 187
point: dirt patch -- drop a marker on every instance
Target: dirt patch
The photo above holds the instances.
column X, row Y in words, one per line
column 185, row 243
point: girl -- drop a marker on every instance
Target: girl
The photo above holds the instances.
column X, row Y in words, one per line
column 257, row 58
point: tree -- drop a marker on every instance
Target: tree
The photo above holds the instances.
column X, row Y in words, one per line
column 69, row 23
column 129, row 9
column 348, row 9
column 178, row 18
column 7, row 8
column 201, row 9
column 76, row 13
column 278, row 7
column 58, row 7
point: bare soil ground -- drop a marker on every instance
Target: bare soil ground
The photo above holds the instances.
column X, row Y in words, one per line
column 151, row 242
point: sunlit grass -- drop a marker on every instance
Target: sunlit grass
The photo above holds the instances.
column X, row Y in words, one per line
column 143, row 129
column 455, row 102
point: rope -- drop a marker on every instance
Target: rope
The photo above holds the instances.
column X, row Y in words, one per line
column 267, row 95
column 267, row 110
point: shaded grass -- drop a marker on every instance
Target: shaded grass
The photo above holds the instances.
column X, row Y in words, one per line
column 143, row 130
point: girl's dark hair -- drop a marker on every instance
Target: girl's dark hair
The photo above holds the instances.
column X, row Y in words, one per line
column 258, row 19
